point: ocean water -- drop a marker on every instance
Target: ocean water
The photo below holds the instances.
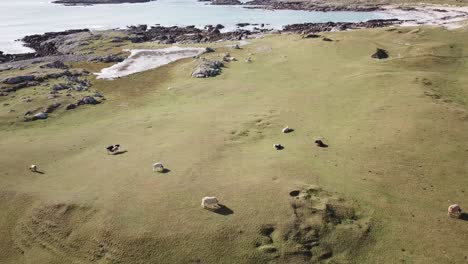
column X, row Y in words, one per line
column 24, row 17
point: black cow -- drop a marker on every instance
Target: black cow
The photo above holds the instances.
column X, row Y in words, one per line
column 112, row 149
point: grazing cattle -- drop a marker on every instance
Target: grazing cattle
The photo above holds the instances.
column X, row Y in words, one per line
column 320, row 143
column 33, row 168
column 287, row 130
column 158, row 166
column 210, row 203
column 113, row 149
column 454, row 210
column 278, row 146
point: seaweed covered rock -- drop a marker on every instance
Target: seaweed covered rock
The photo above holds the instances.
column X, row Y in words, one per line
column 207, row 68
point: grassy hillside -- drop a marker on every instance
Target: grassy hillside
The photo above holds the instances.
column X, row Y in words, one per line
column 396, row 131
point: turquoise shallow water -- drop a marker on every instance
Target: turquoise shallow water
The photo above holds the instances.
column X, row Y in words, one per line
column 23, row 17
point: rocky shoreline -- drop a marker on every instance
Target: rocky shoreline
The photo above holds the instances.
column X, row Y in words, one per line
column 306, row 28
column 299, row 5
column 96, row 2
column 65, row 42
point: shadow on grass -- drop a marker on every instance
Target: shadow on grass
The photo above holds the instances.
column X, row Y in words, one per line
column 164, row 171
column 120, row 152
column 464, row 217
column 223, row 210
column 39, row 172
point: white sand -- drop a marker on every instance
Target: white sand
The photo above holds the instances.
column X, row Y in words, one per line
column 143, row 60
column 454, row 17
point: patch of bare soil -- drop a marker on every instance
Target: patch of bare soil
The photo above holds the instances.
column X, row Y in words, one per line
column 322, row 228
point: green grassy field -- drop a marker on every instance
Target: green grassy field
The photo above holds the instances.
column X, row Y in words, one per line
column 397, row 131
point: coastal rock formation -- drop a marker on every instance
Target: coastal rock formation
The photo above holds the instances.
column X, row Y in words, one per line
column 53, row 43
column 226, row 2
column 94, row 2
column 207, row 68
column 308, row 28
column 185, row 35
column 13, row 57
column 310, row 6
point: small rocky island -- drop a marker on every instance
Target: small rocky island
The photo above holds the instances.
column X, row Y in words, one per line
column 94, row 2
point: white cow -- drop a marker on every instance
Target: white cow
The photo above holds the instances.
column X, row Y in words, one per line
column 454, row 210
column 210, row 203
column 33, row 168
column 287, row 130
column 158, row 166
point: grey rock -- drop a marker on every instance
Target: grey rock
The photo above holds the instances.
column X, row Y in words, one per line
column 209, row 49
column 110, row 59
column 207, row 68
column 51, row 108
column 88, row 100
column 40, row 115
column 19, row 79
column 60, row 86
column 70, row 106
column 55, row 65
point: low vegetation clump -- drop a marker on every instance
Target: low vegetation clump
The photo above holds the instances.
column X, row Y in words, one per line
column 321, row 227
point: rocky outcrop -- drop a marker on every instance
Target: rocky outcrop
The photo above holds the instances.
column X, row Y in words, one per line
column 311, row 36
column 23, row 81
column 95, row 2
column 51, row 108
column 60, row 86
column 14, row 57
column 310, row 6
column 190, row 34
column 19, row 79
column 48, row 43
column 88, row 100
column 55, row 65
column 70, row 106
column 207, row 69
column 226, row 2
column 308, row 28
column 38, row 116
column 110, row 59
